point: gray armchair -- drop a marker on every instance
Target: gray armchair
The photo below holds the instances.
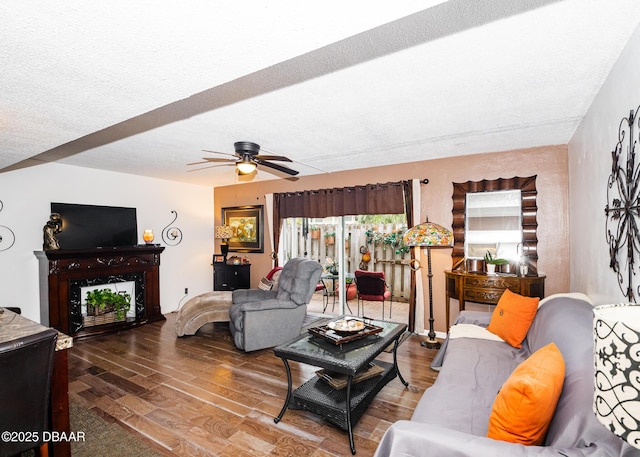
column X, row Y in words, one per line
column 265, row 318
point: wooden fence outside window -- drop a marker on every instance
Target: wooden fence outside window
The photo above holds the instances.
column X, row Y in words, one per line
column 378, row 240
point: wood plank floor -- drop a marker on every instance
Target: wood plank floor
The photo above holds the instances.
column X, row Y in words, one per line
column 200, row 396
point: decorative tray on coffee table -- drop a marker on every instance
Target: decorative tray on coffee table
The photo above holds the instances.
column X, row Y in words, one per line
column 345, row 330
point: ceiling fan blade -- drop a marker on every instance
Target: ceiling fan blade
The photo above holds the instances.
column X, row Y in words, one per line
column 301, row 163
column 223, row 153
column 211, row 166
column 275, row 166
column 278, row 158
column 213, row 160
column 198, row 163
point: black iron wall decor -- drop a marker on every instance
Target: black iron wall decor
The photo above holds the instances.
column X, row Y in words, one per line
column 623, row 208
column 7, row 237
column 172, row 235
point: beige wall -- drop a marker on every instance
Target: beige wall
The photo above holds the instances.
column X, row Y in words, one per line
column 548, row 163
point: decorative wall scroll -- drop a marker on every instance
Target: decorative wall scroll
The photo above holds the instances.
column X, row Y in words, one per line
column 7, row 237
column 172, row 235
column 622, row 210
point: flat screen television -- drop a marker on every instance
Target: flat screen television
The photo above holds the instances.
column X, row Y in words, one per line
column 92, row 226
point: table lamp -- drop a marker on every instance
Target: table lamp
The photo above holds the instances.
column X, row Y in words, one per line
column 429, row 235
column 616, row 399
column 224, row 232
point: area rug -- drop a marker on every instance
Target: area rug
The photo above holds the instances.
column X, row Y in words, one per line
column 313, row 320
column 102, row 437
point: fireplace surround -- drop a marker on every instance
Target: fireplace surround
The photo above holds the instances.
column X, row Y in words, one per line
column 63, row 273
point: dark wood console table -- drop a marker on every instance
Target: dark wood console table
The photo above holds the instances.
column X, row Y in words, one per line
column 64, row 272
column 487, row 289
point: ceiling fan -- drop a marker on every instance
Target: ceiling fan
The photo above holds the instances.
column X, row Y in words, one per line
column 246, row 159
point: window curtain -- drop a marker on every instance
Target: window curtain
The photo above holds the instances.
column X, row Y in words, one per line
column 385, row 198
column 276, row 223
column 417, row 292
column 268, row 206
column 407, row 188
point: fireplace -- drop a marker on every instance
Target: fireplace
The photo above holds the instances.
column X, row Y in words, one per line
column 131, row 283
column 66, row 275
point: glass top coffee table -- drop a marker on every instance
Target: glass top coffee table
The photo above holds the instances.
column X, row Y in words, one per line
column 351, row 361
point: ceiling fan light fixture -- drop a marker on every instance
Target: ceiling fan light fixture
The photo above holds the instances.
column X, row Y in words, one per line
column 246, row 167
column 246, row 159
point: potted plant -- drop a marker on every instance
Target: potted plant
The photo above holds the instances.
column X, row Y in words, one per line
column 492, row 261
column 329, row 238
column 104, row 301
column 351, row 289
column 331, row 266
column 315, row 232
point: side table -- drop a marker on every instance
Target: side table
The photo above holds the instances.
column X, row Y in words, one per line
column 231, row 277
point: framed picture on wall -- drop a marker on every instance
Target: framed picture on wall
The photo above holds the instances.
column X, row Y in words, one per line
column 247, row 224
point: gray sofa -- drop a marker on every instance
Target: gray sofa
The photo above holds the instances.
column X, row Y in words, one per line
column 265, row 318
column 451, row 418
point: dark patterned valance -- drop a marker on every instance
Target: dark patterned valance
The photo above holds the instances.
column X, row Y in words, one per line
column 368, row 199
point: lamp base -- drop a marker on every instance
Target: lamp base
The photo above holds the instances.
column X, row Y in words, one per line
column 430, row 343
column 224, row 248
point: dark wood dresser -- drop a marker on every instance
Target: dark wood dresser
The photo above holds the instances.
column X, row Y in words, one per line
column 487, row 289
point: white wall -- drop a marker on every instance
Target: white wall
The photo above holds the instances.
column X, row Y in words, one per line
column 589, row 169
column 26, row 195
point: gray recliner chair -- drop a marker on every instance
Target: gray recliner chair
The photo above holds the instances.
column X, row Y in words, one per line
column 265, row 318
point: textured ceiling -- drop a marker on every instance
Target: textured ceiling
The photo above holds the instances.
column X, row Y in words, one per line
column 142, row 87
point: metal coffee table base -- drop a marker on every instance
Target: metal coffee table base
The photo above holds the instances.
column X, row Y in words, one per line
column 343, row 407
column 320, row 398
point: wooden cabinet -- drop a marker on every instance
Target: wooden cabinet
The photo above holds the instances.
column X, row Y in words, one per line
column 231, row 277
column 487, row 289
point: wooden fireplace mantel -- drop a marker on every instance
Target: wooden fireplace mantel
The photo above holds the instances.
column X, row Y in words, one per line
column 63, row 272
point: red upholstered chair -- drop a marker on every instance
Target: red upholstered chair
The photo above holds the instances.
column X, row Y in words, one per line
column 372, row 286
column 273, row 272
column 270, row 281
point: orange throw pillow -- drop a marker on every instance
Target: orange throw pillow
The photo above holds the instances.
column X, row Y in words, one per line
column 512, row 317
column 524, row 407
